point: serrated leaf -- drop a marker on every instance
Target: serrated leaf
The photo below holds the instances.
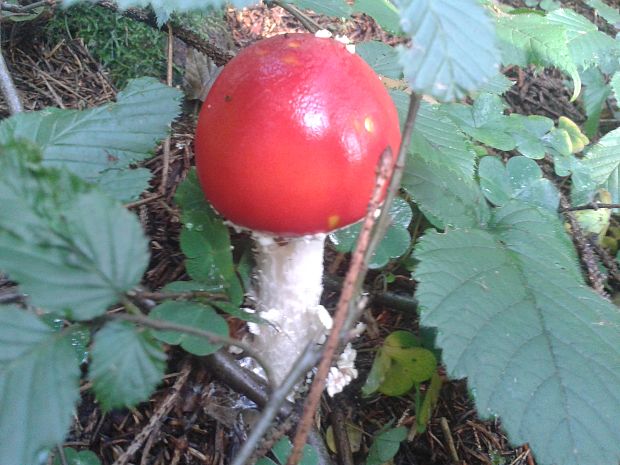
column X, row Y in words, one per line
column 385, row 445
column 484, row 121
column 205, row 240
column 194, row 315
column 445, row 197
column 394, row 244
column 594, row 95
column 39, row 387
column 520, row 179
column 436, row 138
column 73, row 251
column 381, row 57
column 602, row 162
column 609, row 14
column 498, row 84
column 446, row 60
column 586, row 43
column 127, row 364
column 384, row 12
column 124, row 185
column 336, row 8
column 87, row 142
column 515, row 317
column 533, row 39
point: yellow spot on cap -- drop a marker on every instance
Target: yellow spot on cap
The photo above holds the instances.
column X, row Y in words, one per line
column 260, row 51
column 294, row 44
column 290, row 60
column 333, row 221
column 369, row 124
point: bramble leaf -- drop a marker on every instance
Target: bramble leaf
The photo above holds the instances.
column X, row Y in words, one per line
column 335, row 8
column 445, row 59
column 384, row 12
column 124, row 185
column 381, row 57
column 609, row 14
column 87, row 142
column 73, row 250
column 594, row 95
column 127, row 364
column 385, row 445
column 436, row 138
column 602, row 163
column 191, row 314
column 520, row 179
column 538, row 347
column 394, row 244
column 39, row 387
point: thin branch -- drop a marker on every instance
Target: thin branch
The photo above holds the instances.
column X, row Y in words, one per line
column 214, row 338
column 368, row 240
column 218, row 55
column 166, row 150
column 8, row 88
column 190, row 295
column 22, row 9
column 590, row 206
column 302, row 365
column 303, row 18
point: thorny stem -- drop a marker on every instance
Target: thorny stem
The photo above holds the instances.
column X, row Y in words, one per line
column 190, row 295
column 304, row 19
column 8, row 88
column 367, row 242
column 210, row 336
column 166, row 149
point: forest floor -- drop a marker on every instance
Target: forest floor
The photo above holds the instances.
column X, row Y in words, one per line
column 194, row 416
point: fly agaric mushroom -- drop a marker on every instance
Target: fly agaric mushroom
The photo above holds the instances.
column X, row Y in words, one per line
column 287, row 145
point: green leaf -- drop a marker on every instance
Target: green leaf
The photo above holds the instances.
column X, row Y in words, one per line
column 436, row 138
column 124, row 185
column 615, row 85
column 73, row 457
column 594, row 96
column 446, row 60
column 39, row 387
column 336, row 8
column 484, row 121
column 538, row 347
column 282, row 449
column 205, row 240
column 384, row 12
column 381, row 57
column 609, row 14
column 234, row 310
column 394, row 244
column 73, row 251
column 520, row 179
column 586, row 43
column 498, row 84
column 88, row 142
column 533, row 39
column 127, row 364
column 386, row 445
column 445, row 197
column 602, row 162
column 191, row 314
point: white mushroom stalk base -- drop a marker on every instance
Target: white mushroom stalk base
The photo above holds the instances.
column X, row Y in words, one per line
column 289, row 284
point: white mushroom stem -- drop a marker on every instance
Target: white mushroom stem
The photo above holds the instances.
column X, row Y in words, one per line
column 289, row 284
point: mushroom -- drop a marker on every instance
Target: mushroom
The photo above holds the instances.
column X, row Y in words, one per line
column 287, row 145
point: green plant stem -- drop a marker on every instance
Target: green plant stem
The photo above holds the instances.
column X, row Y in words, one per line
column 61, row 454
column 304, row 19
column 190, row 295
column 161, row 325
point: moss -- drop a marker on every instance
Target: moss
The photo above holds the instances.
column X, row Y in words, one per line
column 126, row 48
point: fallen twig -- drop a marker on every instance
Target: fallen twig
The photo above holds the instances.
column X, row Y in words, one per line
column 8, row 88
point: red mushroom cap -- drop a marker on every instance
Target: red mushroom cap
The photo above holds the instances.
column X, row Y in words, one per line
column 289, row 137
